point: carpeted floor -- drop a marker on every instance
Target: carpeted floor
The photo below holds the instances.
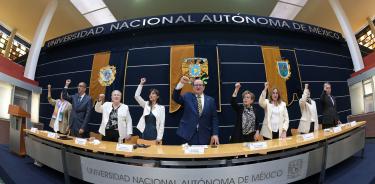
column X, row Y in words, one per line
column 354, row 170
column 14, row 169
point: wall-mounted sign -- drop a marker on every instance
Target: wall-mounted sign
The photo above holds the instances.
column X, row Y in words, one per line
column 195, row 19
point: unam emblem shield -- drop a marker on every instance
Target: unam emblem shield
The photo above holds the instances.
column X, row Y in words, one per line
column 195, row 68
column 107, row 75
column 283, row 69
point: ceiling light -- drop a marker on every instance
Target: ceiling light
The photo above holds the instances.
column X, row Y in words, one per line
column 100, row 17
column 85, row 6
column 285, row 11
column 296, row 2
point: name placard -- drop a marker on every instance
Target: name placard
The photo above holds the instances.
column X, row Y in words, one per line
column 258, row 145
column 341, row 125
column 95, row 142
column 336, row 129
column 199, row 146
column 80, row 141
column 34, row 130
column 353, row 123
column 52, row 135
column 308, row 136
column 194, row 150
column 124, row 147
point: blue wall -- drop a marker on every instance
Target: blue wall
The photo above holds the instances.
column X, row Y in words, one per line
column 239, row 52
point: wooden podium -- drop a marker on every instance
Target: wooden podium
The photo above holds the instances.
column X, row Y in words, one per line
column 16, row 130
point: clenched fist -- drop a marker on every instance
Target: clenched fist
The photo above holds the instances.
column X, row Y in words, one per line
column 184, row 80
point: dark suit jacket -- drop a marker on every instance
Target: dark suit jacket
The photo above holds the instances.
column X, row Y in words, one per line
column 237, row 136
column 330, row 115
column 81, row 111
column 208, row 122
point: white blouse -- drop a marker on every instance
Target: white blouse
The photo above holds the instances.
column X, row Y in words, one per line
column 275, row 118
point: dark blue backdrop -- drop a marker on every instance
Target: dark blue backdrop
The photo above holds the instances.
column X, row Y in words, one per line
column 239, row 52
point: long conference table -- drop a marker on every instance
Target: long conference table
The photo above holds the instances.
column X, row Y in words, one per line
column 273, row 161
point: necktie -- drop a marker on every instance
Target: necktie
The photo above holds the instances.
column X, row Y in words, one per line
column 330, row 97
column 199, row 98
column 80, row 99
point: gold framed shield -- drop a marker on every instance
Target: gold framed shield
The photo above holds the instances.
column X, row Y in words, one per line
column 195, row 68
column 107, row 75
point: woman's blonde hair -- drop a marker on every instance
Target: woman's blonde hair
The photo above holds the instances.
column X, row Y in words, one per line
column 252, row 96
column 278, row 102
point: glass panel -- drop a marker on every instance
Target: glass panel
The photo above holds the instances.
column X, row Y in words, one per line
column 5, row 96
column 35, row 99
column 356, row 98
column 369, row 104
column 368, row 88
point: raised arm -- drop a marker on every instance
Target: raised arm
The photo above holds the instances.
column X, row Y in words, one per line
column 177, row 91
column 233, row 102
column 302, row 101
column 262, row 98
column 99, row 103
column 138, row 92
column 50, row 99
column 66, row 96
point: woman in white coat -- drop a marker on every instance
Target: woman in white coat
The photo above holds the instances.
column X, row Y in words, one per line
column 116, row 120
column 276, row 118
column 309, row 119
column 151, row 124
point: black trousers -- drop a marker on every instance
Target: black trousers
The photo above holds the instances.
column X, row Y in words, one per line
column 275, row 135
column 328, row 125
column 111, row 135
column 248, row 138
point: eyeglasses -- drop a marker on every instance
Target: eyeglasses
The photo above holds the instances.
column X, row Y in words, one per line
column 198, row 85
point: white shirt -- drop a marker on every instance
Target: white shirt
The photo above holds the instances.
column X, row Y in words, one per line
column 275, row 118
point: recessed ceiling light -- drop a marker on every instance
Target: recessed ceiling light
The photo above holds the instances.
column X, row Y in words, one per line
column 100, row 17
column 285, row 11
column 296, row 2
column 85, row 6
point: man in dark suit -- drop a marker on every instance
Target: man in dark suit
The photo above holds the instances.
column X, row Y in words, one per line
column 81, row 109
column 199, row 124
column 330, row 116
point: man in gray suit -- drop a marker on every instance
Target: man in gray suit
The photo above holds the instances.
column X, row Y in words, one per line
column 81, row 109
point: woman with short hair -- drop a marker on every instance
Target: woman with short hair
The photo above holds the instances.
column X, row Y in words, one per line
column 61, row 113
column 116, row 120
column 247, row 125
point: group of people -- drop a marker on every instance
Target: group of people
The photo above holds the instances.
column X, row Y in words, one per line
column 199, row 124
column 72, row 114
column 276, row 119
